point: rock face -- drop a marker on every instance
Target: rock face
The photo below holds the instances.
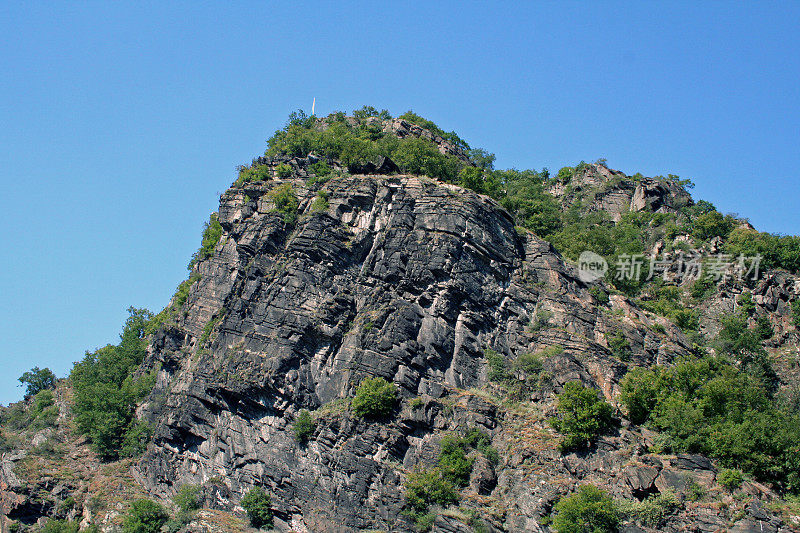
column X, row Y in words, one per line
column 614, row 193
column 400, row 277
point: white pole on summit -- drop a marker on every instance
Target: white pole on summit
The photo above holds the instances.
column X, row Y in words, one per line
column 313, row 104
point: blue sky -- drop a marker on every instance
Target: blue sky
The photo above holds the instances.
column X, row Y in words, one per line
column 123, row 122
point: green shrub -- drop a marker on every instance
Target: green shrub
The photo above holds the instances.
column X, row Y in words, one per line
column 582, row 416
column 730, row 478
column 15, row 416
column 796, row 313
column 258, row 506
column 764, row 328
column 638, row 393
column 375, row 398
column 283, row 170
column 620, row 346
column 530, row 364
column 187, row 499
column 710, row 406
column 746, row 303
column 320, row 203
column 253, row 173
column 454, row 464
column 144, row 516
column 600, row 295
column 285, row 201
column 212, row 233
column 590, row 510
column 304, row 426
column 424, row 488
column 498, row 371
column 60, row 526
column 37, row 379
column 652, row 511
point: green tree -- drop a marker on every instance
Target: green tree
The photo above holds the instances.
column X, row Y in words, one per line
column 144, row 516
column 37, row 379
column 258, row 506
column 638, row 393
column 187, row 498
column 304, row 426
column 590, row 510
column 106, row 391
column 424, row 488
column 375, row 398
column 454, row 464
column 582, row 415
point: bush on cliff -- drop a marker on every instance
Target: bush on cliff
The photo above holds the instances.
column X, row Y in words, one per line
column 590, row 510
column 144, row 516
column 375, row 398
column 582, row 416
column 707, row 405
column 258, row 506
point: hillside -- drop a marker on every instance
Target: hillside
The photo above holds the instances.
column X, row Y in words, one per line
column 369, row 247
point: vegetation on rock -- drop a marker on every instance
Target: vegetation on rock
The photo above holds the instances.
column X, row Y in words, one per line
column 375, row 398
column 258, row 506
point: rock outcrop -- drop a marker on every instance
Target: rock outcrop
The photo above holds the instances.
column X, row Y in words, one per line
column 400, row 277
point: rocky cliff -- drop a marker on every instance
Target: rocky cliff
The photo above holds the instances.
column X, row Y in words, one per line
column 419, row 282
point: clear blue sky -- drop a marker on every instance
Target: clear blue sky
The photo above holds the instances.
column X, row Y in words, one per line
column 123, row 122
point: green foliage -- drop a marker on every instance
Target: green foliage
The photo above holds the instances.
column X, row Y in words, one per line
column 620, row 346
column 652, row 511
column 375, row 398
column 712, row 224
column 529, row 364
column 666, row 301
column 60, row 526
column 283, row 170
column 796, row 313
column 320, row 203
column 710, row 406
column 43, row 412
column 730, row 478
column 744, row 344
column 424, row 488
column 746, row 303
column 15, row 416
column 320, row 169
column 212, row 233
column 144, row 516
column 776, row 251
column 590, row 510
column 37, row 379
column 600, row 295
column 498, row 368
column 253, row 173
column 454, row 464
column 764, row 328
column 106, row 392
column 638, row 393
column 451, row 136
column 258, row 506
column 582, row 416
column 304, row 426
column 187, row 499
column 285, row 201
column 526, row 198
